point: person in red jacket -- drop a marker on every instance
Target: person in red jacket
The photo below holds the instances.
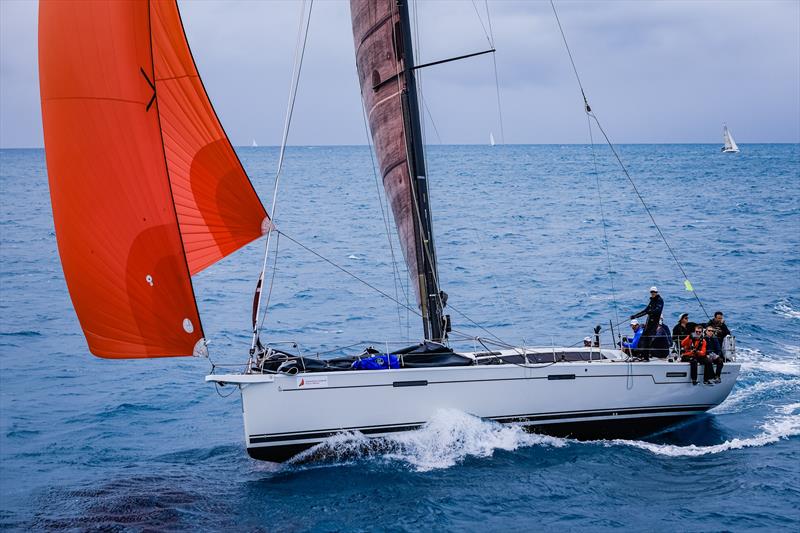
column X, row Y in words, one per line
column 694, row 350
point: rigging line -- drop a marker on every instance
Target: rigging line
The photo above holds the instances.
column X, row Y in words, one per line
column 433, row 123
column 426, row 249
column 476, row 324
column 299, row 54
column 603, row 217
column 300, row 51
column 490, row 38
column 395, row 38
column 271, row 281
column 649, row 213
column 368, row 284
column 496, row 77
column 499, row 106
column 569, row 53
column 486, row 33
column 412, row 173
column 354, row 276
column 591, row 114
column 395, row 270
column 489, row 20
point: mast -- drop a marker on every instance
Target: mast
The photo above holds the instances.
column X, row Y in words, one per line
column 431, row 300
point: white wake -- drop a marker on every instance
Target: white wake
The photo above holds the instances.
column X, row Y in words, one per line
column 446, row 440
column 785, row 424
column 754, row 361
column 744, row 395
column 452, row 436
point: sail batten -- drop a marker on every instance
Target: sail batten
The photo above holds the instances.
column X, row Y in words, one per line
column 145, row 187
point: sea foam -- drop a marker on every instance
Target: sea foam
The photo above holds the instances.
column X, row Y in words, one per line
column 785, row 309
column 785, row 424
column 446, row 440
column 452, row 436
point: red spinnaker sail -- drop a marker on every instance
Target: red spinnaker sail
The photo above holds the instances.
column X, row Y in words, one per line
column 218, row 210
column 378, row 44
column 133, row 148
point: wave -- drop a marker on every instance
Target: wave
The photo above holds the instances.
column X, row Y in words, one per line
column 25, row 333
column 741, row 396
column 775, row 429
column 753, row 361
column 785, row 309
column 452, row 436
column 446, row 440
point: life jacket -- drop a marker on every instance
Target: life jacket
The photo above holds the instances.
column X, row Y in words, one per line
column 694, row 347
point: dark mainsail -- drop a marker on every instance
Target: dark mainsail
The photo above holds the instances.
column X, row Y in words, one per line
column 385, row 63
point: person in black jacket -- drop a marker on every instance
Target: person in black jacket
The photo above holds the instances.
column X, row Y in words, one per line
column 718, row 323
column 682, row 329
column 714, row 352
column 653, row 311
column 661, row 343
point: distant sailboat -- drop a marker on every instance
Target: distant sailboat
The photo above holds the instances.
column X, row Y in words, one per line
column 730, row 145
column 255, row 144
column 491, row 138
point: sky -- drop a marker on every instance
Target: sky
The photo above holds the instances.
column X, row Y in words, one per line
column 658, row 71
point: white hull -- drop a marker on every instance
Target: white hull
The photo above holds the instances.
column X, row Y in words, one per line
column 286, row 414
column 730, row 150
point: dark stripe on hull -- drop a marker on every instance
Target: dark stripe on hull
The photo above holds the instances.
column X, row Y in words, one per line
column 622, row 427
column 325, row 434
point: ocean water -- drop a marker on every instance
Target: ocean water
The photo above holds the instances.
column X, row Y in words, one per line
column 87, row 443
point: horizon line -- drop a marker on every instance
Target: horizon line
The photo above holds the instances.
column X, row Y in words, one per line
column 467, row 144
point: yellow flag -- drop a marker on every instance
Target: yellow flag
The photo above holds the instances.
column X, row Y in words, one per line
column 688, row 285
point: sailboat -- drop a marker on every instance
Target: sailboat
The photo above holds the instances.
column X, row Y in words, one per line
column 147, row 191
column 730, row 145
column 254, row 144
column 491, row 139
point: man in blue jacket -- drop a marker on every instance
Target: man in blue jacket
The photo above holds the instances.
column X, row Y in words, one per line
column 630, row 346
column 653, row 311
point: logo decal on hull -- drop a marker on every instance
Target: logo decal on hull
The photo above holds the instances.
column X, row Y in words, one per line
column 313, row 382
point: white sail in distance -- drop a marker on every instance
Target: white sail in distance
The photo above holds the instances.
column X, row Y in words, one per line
column 730, row 144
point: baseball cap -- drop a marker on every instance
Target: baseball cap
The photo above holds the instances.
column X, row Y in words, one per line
column 653, row 289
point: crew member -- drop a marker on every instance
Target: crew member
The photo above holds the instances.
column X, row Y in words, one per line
column 681, row 329
column 653, row 311
column 661, row 343
column 694, row 352
column 718, row 323
column 714, row 352
column 630, row 346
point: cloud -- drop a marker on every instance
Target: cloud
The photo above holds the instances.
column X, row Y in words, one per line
column 654, row 71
